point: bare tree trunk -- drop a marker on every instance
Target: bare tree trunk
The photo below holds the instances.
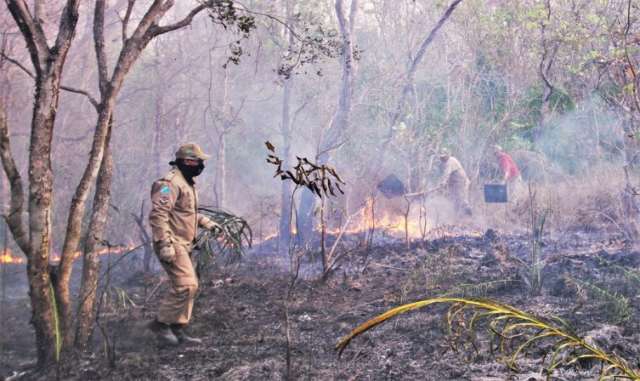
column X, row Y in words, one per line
column 286, row 190
column 48, row 63
column 91, row 264
column 544, row 69
column 158, row 116
column 221, row 169
column 14, row 217
column 40, row 211
column 37, row 261
column 333, row 138
column 284, row 228
column 221, row 162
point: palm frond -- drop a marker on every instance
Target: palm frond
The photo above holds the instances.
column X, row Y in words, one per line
column 508, row 323
column 228, row 240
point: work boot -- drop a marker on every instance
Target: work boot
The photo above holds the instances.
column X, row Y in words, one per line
column 164, row 334
column 183, row 338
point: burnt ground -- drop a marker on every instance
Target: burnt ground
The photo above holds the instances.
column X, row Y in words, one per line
column 590, row 280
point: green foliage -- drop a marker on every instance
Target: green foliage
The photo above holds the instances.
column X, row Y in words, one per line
column 480, row 290
column 560, row 102
column 436, row 273
column 491, row 89
column 514, row 332
column 617, row 305
column 630, row 274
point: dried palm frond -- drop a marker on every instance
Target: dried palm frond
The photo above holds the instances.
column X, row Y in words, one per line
column 513, row 326
column 227, row 241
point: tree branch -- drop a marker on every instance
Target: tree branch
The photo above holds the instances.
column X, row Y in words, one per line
column 18, row 64
column 416, row 61
column 158, row 30
column 635, row 97
column 37, row 11
column 98, row 43
column 285, row 24
column 16, row 207
column 66, row 31
column 408, row 87
column 546, row 61
column 352, row 16
column 70, row 89
column 32, row 33
column 125, row 20
column 89, row 97
column 427, row 41
column 138, row 41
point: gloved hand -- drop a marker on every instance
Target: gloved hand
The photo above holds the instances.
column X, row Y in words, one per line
column 212, row 226
column 167, row 253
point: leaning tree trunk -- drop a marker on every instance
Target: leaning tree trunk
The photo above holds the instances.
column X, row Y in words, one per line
column 76, row 212
column 407, row 89
column 91, row 268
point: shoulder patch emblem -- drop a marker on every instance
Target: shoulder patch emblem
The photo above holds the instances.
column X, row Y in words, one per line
column 165, row 189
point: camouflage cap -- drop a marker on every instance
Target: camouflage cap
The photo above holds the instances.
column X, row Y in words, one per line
column 191, row 151
column 444, row 153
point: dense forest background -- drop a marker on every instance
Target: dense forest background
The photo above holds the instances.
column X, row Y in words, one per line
column 548, row 78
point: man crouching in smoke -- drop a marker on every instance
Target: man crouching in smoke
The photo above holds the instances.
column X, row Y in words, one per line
column 174, row 221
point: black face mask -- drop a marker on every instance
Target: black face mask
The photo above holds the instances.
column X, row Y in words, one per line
column 189, row 171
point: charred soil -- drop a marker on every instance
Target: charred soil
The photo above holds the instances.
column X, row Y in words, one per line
column 590, row 280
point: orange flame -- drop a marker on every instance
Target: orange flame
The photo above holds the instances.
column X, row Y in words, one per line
column 7, row 258
column 388, row 219
column 116, row 250
column 381, row 217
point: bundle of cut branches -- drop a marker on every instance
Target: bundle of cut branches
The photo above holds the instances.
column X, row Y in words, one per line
column 226, row 241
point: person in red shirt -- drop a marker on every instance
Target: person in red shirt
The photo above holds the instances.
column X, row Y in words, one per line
column 510, row 173
column 508, row 167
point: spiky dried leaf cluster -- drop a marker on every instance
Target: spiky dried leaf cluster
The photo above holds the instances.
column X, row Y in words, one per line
column 229, row 238
column 321, row 180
